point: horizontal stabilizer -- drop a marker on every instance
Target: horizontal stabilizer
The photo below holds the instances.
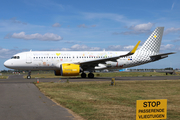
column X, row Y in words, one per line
column 164, row 54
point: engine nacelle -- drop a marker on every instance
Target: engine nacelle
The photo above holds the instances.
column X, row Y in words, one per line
column 67, row 69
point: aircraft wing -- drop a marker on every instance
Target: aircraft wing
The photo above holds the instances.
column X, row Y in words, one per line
column 93, row 63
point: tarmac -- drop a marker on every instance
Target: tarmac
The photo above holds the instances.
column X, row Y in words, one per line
column 24, row 101
column 19, row 79
column 20, row 99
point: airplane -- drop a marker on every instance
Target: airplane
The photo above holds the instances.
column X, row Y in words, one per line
column 72, row 63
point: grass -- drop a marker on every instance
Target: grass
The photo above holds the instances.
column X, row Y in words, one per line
column 109, row 74
column 3, row 77
column 99, row 101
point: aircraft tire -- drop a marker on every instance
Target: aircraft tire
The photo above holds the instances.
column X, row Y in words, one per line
column 90, row 75
column 28, row 77
column 83, row 75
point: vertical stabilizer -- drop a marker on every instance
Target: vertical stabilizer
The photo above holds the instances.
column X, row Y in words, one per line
column 153, row 43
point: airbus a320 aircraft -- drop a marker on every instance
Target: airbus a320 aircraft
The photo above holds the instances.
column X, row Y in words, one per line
column 71, row 63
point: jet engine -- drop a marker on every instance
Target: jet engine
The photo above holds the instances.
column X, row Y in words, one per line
column 68, row 70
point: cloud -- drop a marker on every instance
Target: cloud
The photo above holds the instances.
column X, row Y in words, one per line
column 167, row 47
column 128, row 48
column 78, row 47
column 56, row 25
column 120, row 48
column 71, row 41
column 142, row 27
column 172, row 6
column 176, row 40
column 84, row 47
column 36, row 36
column 7, row 53
column 85, row 26
column 65, row 49
column 108, row 16
column 112, row 16
column 82, row 26
column 13, row 20
column 171, row 30
column 137, row 29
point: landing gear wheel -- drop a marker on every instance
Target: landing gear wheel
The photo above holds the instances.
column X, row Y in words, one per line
column 83, row 75
column 90, row 75
column 28, row 77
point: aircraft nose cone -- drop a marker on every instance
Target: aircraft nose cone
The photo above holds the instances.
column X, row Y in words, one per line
column 7, row 63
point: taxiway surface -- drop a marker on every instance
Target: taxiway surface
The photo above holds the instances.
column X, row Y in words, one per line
column 20, row 79
column 24, row 101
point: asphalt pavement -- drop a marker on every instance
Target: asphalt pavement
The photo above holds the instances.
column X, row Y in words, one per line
column 24, row 101
column 20, row 79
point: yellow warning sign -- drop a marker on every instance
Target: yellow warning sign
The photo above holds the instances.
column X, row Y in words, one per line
column 151, row 109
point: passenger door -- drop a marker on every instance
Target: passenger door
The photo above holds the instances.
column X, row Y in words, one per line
column 28, row 58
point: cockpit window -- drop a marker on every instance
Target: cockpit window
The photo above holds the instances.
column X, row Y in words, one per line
column 15, row 57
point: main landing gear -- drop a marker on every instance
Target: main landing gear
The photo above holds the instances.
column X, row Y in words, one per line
column 29, row 75
column 90, row 75
column 83, row 75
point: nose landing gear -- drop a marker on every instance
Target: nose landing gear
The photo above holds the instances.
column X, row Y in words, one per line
column 29, row 75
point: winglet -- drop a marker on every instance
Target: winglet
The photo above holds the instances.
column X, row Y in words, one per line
column 135, row 48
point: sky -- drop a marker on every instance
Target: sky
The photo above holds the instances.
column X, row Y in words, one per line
column 88, row 25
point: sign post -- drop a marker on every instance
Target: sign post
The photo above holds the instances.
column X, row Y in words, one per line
column 151, row 109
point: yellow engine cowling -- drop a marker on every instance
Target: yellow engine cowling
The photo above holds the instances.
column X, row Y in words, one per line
column 68, row 70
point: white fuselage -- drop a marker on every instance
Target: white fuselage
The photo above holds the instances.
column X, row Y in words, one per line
column 51, row 60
